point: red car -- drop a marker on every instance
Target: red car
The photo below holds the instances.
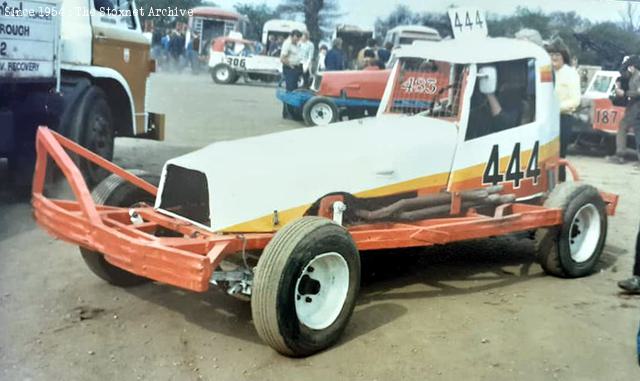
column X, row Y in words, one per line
column 351, row 93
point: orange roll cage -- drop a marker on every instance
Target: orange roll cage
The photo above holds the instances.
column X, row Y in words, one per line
column 188, row 260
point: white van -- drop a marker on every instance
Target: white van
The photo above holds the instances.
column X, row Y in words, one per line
column 280, row 28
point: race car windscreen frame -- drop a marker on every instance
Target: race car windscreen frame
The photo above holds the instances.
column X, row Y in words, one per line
column 429, row 88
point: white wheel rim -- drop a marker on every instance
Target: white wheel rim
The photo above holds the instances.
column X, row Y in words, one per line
column 321, row 114
column 321, row 290
column 584, row 233
column 222, row 74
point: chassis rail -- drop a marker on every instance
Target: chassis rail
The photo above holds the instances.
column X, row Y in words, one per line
column 188, row 258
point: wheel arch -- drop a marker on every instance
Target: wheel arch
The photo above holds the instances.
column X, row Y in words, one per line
column 118, row 93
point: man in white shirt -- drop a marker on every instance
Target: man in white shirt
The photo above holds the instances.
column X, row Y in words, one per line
column 291, row 60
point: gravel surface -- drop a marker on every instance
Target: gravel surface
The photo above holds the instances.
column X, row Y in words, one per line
column 479, row 310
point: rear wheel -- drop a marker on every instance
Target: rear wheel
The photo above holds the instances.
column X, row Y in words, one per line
column 115, row 191
column 224, row 74
column 305, row 286
column 573, row 249
column 320, row 111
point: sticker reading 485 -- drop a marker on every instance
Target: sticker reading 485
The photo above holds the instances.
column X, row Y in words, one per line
column 420, row 85
column 514, row 173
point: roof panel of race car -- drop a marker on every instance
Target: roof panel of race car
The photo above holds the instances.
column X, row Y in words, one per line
column 485, row 50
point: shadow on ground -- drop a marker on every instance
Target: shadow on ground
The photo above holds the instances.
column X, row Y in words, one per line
column 443, row 271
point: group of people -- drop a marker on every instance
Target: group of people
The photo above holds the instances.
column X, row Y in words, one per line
column 335, row 59
column 172, row 51
column 296, row 56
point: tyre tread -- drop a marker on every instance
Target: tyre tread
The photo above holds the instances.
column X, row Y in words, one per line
column 268, row 273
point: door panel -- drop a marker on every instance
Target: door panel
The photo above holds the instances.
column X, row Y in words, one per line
column 119, row 44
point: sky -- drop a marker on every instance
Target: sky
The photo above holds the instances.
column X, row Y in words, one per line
column 364, row 12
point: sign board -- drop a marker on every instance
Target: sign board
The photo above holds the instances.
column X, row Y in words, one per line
column 28, row 33
column 468, row 23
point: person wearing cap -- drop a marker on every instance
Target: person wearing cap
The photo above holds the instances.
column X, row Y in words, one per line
column 567, row 86
column 631, row 121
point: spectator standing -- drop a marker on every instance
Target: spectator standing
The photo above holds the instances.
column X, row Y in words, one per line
column 306, row 56
column 322, row 54
column 165, row 42
column 335, row 57
column 291, row 66
column 568, row 92
column 291, row 60
column 277, row 47
column 271, row 45
column 631, row 121
column 632, row 285
column 367, row 54
column 193, row 47
column 156, row 44
column 384, row 54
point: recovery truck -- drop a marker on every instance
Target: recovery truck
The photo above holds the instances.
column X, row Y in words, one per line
column 79, row 71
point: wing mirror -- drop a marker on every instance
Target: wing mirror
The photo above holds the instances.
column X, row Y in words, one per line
column 488, row 77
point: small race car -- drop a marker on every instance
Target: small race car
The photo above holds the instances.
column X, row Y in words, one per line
column 286, row 223
column 231, row 58
column 351, row 93
column 598, row 118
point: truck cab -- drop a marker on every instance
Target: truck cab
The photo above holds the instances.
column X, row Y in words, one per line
column 93, row 64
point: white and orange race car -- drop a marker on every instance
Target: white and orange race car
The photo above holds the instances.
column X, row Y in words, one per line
column 473, row 153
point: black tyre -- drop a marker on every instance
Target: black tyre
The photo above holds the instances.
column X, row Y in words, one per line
column 573, row 249
column 115, row 191
column 224, row 74
column 92, row 127
column 320, row 111
column 305, row 286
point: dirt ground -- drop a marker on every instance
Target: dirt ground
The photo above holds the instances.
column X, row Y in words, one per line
column 473, row 311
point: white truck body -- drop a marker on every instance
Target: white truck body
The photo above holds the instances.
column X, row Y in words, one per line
column 29, row 39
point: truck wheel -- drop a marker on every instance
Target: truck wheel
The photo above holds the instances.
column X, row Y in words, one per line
column 320, row 111
column 114, row 191
column 573, row 249
column 223, row 74
column 305, row 286
column 92, row 128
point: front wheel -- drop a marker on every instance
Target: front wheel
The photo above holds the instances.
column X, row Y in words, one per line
column 223, row 74
column 305, row 286
column 320, row 111
column 573, row 249
column 115, row 191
